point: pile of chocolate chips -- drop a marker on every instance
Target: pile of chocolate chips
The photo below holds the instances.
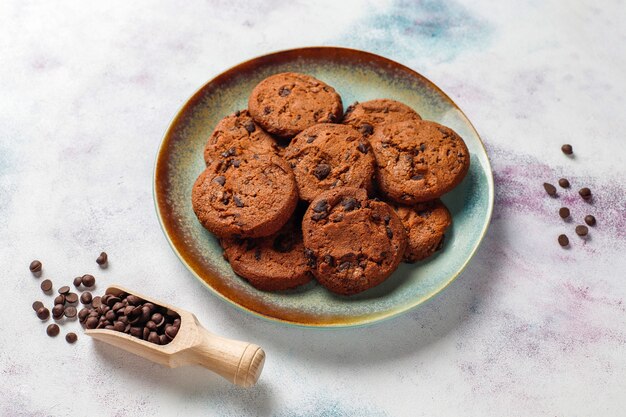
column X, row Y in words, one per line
column 564, row 212
column 132, row 315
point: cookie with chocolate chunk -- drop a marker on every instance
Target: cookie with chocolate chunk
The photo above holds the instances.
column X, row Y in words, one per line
column 369, row 116
column 327, row 156
column 270, row 263
column 236, row 134
column 287, row 103
column 418, row 160
column 426, row 225
column 245, row 196
column 352, row 243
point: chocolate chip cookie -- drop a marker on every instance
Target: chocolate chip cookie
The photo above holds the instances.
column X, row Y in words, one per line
column 271, row 263
column 418, row 160
column 285, row 104
column 235, row 134
column 425, row 224
column 245, row 196
column 369, row 116
column 352, row 243
column 326, row 156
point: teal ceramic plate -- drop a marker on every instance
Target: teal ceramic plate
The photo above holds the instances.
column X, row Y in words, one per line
column 358, row 76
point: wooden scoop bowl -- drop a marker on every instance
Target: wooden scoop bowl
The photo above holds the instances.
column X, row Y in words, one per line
column 239, row 362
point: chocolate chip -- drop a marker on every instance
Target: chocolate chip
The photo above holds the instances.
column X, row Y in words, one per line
column 71, row 298
column 582, row 230
column 71, row 337
column 91, row 322
column 59, row 299
column 102, row 259
column 585, row 193
column 375, row 217
column 321, row 206
column 283, row 243
column 237, row 201
column 229, row 152
column 387, row 219
column 567, row 149
column 328, row 259
column 53, row 330
column 284, row 91
column 389, row 232
column 46, row 285
column 70, row 312
column 590, row 220
column 310, row 138
column 35, row 266
column 86, row 298
column 550, row 189
column 89, row 280
column 83, row 314
column 57, row 311
column 43, row 313
column 78, row 281
column 221, row 180
column 250, row 126
column 267, row 110
column 563, row 240
column 37, row 305
column 564, row 183
column 332, row 118
column 363, row 148
column 564, row 212
column 310, row 257
column 344, row 265
column 171, row 331
column 417, row 177
column 236, row 163
column 64, row 290
column 349, row 203
column 321, row 171
column 96, row 302
column 366, row 129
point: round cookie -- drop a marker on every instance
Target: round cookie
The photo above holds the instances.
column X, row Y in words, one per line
column 247, row 196
column 326, row 156
column 285, row 104
column 235, row 134
column 418, row 160
column 369, row 116
column 271, row 263
column 425, row 225
column 352, row 243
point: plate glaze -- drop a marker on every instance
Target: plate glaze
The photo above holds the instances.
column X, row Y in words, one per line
column 356, row 75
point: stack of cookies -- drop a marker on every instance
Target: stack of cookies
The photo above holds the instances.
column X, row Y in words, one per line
column 295, row 189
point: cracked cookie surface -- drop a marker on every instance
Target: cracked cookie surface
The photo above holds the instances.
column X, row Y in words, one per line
column 418, row 160
column 287, row 103
column 327, row 156
column 352, row 243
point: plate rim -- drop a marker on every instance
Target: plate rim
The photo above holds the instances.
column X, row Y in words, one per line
column 359, row 322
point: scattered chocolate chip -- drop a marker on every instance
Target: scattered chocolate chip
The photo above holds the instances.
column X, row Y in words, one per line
column 221, row 180
column 366, row 129
column 321, row 171
column 70, row 312
column 57, row 311
column 102, row 259
column 78, row 281
column 71, row 298
column 91, row 322
column 96, row 302
column 564, row 212
column 86, row 298
column 71, row 337
column 83, row 314
column 585, row 193
column 37, row 305
column 89, row 280
column 550, row 189
column 53, row 330
column 567, row 149
column 564, row 183
column 563, row 240
column 249, row 126
column 46, row 285
column 59, row 299
column 590, row 220
column 64, row 290
column 43, row 313
column 35, row 266
column 284, row 91
column 582, row 230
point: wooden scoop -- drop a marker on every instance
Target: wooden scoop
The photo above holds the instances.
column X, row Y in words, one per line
column 239, row 362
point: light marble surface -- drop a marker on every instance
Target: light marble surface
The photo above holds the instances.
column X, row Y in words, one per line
column 86, row 92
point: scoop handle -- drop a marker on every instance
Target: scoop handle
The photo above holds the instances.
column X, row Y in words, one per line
column 239, row 362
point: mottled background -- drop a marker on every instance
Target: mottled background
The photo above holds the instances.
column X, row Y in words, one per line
column 86, row 92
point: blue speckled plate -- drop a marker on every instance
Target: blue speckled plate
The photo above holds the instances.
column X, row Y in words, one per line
column 358, row 76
